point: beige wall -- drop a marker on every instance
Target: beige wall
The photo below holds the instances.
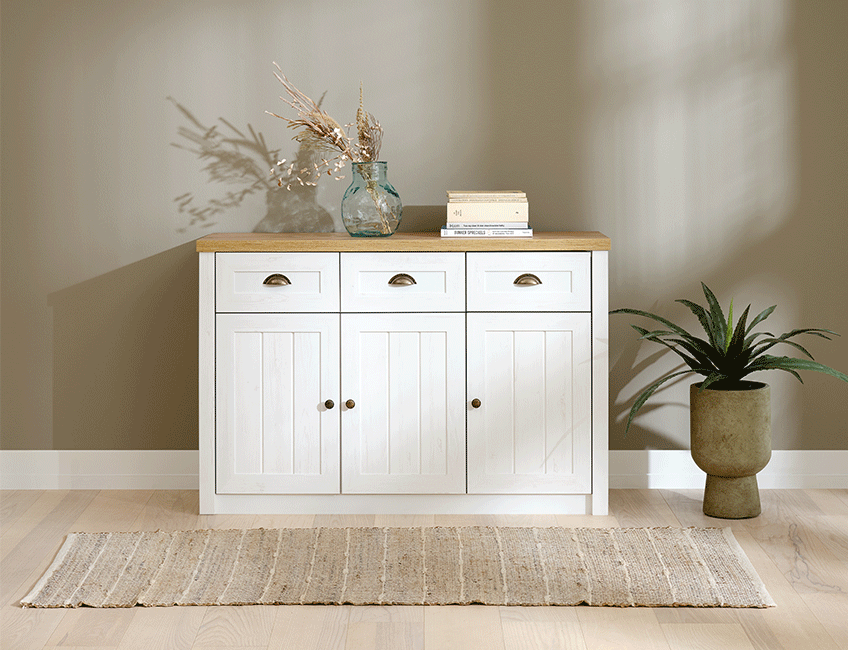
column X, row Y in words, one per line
column 709, row 140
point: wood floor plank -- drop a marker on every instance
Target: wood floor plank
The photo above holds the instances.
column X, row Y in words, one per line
column 386, row 628
column 79, row 647
column 90, row 627
column 457, row 627
column 230, row 625
column 524, row 521
column 404, row 521
column 783, row 506
column 829, row 501
column 163, row 628
column 343, row 521
column 387, row 614
column 112, row 511
column 465, row 520
column 689, row 636
column 170, row 510
column 688, row 508
column 226, row 522
column 790, row 625
column 541, row 628
column 831, row 610
column 538, row 614
column 698, row 615
column 229, row 647
column 32, row 554
column 495, row 520
column 310, row 627
column 587, row 521
column 833, row 533
column 13, row 503
column 284, row 521
column 385, row 636
column 621, row 628
column 27, row 629
column 842, row 494
column 801, row 555
column 641, row 508
column 542, row 635
column 46, row 503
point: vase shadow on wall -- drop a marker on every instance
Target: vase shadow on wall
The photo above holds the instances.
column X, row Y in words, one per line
column 125, row 356
column 241, row 161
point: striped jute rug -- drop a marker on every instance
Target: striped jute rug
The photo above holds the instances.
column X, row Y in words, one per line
column 703, row 567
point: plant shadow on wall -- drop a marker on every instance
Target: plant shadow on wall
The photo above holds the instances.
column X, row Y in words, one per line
column 125, row 356
column 631, row 364
column 241, row 161
column 713, row 155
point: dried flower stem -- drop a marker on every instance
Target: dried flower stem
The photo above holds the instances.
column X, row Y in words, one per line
column 319, row 131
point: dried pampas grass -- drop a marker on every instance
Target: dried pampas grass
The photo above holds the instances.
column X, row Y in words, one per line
column 319, row 132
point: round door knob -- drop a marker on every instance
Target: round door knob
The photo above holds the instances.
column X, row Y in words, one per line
column 329, row 404
column 476, row 403
column 350, row 403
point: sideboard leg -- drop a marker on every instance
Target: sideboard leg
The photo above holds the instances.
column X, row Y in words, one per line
column 206, row 385
column 600, row 382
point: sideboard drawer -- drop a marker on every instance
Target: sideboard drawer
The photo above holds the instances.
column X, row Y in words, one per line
column 403, row 282
column 269, row 282
column 529, row 281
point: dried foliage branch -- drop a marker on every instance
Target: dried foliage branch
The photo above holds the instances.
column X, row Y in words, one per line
column 369, row 133
column 330, row 141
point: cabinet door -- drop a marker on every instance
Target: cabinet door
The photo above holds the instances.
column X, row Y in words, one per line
column 532, row 432
column 406, row 431
column 274, row 433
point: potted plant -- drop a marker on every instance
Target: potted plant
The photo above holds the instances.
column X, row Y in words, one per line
column 730, row 416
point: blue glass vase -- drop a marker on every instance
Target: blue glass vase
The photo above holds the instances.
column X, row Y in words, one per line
column 371, row 207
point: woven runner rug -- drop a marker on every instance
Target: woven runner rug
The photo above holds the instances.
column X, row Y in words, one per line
column 701, row 567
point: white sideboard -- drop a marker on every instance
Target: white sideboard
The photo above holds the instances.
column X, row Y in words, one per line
column 409, row 374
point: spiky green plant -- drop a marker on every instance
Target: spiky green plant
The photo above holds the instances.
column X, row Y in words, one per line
column 728, row 353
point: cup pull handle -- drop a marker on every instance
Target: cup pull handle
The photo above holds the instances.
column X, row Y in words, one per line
column 402, row 280
column 276, row 280
column 527, row 279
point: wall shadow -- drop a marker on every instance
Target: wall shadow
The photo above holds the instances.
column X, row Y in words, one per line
column 782, row 260
column 240, row 161
column 791, row 265
column 709, row 144
column 125, row 356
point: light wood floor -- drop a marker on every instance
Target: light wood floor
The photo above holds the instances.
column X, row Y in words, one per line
column 799, row 546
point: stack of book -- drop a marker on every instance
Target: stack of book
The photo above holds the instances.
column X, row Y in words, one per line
column 487, row 214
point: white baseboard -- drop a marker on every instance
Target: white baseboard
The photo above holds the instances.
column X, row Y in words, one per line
column 98, row 470
column 178, row 470
column 676, row 470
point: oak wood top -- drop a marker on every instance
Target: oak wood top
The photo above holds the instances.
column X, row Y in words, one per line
column 410, row 241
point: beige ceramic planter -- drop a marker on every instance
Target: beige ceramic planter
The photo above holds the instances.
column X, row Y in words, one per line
column 730, row 433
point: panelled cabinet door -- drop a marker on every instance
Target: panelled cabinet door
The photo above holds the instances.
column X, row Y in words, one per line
column 274, row 430
column 531, row 431
column 404, row 429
